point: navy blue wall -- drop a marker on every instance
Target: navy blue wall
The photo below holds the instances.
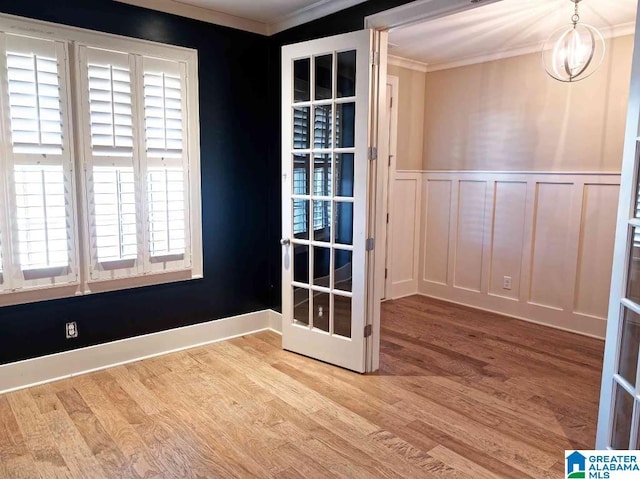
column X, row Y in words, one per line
column 240, row 155
column 348, row 20
column 235, row 190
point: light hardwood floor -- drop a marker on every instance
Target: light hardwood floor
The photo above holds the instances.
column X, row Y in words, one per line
column 461, row 394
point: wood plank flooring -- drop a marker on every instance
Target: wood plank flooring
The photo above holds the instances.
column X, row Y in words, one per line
column 460, row 394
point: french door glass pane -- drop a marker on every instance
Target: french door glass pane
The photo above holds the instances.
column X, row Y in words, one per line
column 345, row 125
column 322, row 221
column 346, row 84
column 322, row 175
column 342, row 316
column 301, row 175
column 342, row 270
column 300, row 215
column 321, row 266
column 343, row 223
column 301, row 128
column 343, row 173
column 302, row 80
column 622, row 419
column 324, row 77
column 322, row 127
column 630, row 342
column 300, row 306
column 321, row 310
column 301, row 263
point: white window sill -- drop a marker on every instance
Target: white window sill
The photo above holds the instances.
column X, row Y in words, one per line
column 150, row 279
column 68, row 290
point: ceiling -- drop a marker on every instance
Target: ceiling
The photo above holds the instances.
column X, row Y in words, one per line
column 258, row 16
column 502, row 29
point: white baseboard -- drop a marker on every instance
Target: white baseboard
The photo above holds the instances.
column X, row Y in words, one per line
column 41, row 370
column 401, row 289
column 549, row 323
column 275, row 321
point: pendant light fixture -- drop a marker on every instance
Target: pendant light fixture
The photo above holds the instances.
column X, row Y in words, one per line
column 574, row 52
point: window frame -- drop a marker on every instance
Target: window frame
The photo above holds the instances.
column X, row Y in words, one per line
column 73, row 38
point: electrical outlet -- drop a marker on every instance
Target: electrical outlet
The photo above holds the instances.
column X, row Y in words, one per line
column 506, row 284
column 72, row 330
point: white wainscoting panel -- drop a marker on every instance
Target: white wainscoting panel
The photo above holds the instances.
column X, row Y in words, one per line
column 551, row 229
column 437, row 209
column 507, row 237
column 595, row 250
column 470, row 232
column 550, row 233
column 404, row 233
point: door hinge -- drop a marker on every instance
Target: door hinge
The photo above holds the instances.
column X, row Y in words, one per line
column 386, row 273
column 368, row 330
column 371, row 243
column 387, row 218
column 373, row 153
column 375, row 58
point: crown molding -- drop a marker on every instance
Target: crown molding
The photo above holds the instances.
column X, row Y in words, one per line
column 203, row 14
column 407, row 63
column 609, row 32
column 316, row 10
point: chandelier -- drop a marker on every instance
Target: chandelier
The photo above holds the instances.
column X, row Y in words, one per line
column 574, row 52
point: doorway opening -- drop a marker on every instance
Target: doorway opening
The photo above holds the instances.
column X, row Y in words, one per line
column 507, row 182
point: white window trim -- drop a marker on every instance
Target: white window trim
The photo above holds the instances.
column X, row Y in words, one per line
column 74, row 36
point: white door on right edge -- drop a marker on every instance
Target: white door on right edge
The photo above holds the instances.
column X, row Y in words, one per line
column 619, row 417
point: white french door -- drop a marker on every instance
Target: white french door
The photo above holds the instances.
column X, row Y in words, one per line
column 328, row 120
column 619, row 417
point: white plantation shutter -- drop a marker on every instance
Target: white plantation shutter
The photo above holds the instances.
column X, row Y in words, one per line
column 34, row 102
column 163, row 115
column 114, row 214
column 41, row 217
column 166, row 164
column 166, row 212
column 108, row 111
column 39, row 175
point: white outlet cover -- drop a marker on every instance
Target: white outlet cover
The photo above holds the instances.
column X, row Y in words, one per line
column 72, row 330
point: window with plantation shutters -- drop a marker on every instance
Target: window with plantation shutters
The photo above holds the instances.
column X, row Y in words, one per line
column 122, row 173
column 136, row 164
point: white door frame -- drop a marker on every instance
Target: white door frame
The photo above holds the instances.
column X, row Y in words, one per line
column 390, row 175
column 404, row 15
column 419, row 11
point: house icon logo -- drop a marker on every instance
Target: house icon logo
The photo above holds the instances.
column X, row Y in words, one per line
column 576, row 466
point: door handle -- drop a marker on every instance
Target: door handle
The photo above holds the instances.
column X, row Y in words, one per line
column 285, row 241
